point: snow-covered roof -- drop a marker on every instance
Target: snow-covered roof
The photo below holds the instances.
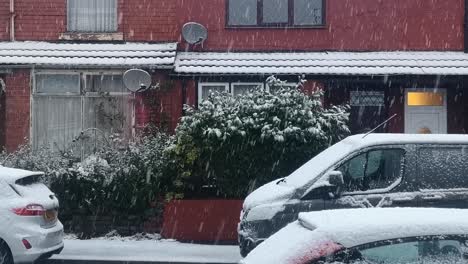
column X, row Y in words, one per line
column 332, row 63
column 92, row 55
column 330, row 229
column 11, row 175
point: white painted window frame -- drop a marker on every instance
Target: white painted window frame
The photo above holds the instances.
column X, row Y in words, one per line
column 82, row 94
column 204, row 84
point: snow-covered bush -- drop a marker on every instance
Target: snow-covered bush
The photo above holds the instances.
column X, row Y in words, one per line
column 232, row 144
column 118, row 178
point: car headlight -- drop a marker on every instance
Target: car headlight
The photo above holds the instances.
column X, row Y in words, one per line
column 262, row 212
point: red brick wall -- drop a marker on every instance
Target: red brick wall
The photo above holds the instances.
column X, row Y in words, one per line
column 45, row 20
column 40, row 19
column 149, row 20
column 17, row 105
column 202, row 220
column 161, row 107
column 351, row 25
column 4, row 19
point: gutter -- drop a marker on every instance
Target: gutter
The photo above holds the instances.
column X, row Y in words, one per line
column 465, row 29
column 12, row 20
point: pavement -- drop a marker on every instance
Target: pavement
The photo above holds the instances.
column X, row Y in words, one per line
column 101, row 251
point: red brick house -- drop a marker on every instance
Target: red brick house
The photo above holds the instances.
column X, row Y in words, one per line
column 383, row 57
column 61, row 63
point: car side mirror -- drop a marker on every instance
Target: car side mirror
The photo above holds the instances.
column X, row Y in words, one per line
column 335, row 178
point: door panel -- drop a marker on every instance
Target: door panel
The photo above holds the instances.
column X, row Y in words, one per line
column 426, row 111
column 443, row 176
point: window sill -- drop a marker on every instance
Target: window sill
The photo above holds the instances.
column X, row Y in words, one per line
column 118, row 36
column 277, row 27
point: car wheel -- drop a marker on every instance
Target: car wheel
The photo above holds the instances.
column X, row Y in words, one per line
column 5, row 254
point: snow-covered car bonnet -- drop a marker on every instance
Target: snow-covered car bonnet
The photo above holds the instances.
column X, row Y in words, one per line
column 284, row 189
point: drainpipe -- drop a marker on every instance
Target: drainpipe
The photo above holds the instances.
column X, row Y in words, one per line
column 465, row 31
column 12, row 20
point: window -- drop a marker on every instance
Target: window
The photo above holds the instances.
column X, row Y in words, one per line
column 375, row 169
column 276, row 13
column 274, row 88
column 68, row 103
column 425, row 99
column 92, row 15
column 241, row 88
column 412, row 250
column 367, row 110
column 443, row 167
column 204, row 89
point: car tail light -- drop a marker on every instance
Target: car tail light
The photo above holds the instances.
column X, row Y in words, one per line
column 26, row 244
column 30, row 210
column 313, row 253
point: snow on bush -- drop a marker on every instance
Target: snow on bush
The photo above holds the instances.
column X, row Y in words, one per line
column 116, row 179
column 232, row 144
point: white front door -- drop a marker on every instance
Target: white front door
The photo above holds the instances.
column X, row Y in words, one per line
column 426, row 111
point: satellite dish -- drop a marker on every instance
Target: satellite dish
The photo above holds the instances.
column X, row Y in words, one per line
column 136, row 80
column 194, row 33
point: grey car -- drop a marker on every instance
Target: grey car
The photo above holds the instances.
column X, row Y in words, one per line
column 362, row 171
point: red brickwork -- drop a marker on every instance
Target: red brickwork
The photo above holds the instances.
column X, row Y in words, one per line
column 17, row 106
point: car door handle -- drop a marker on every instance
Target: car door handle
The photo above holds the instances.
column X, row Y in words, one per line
column 432, row 198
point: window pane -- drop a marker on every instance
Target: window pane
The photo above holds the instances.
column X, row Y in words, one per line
column 57, row 83
column 376, row 169
column 425, row 99
column 56, row 122
column 92, row 15
column 308, row 12
column 244, row 88
column 442, row 168
column 207, row 90
column 109, row 115
column 275, row 11
column 105, row 84
column 242, row 12
column 426, row 250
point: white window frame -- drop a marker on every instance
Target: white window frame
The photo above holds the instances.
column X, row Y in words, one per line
column 234, row 84
column 204, row 84
column 90, row 73
column 116, row 22
column 82, row 94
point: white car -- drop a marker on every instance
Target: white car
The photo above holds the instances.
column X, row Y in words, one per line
column 378, row 235
column 29, row 227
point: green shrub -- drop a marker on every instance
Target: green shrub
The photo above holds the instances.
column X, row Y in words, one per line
column 232, row 144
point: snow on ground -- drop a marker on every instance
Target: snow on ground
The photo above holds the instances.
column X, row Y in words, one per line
column 147, row 250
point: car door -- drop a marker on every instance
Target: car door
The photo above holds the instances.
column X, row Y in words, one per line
column 375, row 177
column 443, row 176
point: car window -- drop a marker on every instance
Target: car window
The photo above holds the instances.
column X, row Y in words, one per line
column 443, row 167
column 432, row 250
column 374, row 169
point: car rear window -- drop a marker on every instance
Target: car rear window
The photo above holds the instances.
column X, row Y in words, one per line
column 29, row 180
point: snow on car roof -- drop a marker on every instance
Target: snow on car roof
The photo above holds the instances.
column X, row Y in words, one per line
column 11, row 175
column 322, row 233
column 309, row 171
column 379, row 139
column 352, row 227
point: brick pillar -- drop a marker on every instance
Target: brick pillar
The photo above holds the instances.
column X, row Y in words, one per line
column 17, row 108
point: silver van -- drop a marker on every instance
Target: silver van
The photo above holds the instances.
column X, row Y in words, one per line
column 362, row 171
